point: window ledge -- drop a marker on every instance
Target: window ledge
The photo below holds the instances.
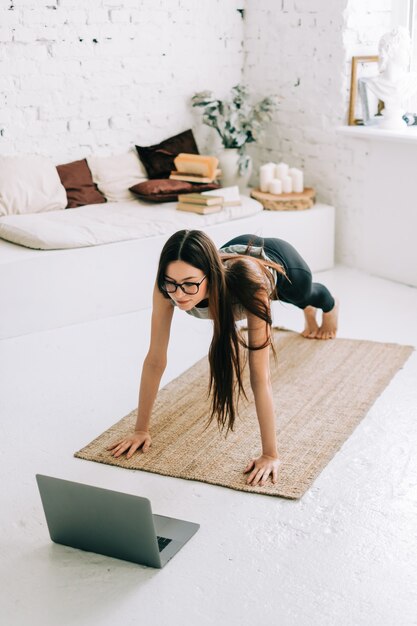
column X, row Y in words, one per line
column 409, row 134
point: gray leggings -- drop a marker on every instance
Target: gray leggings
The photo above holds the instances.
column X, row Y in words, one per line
column 297, row 286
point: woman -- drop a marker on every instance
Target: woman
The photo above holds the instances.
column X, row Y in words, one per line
column 236, row 282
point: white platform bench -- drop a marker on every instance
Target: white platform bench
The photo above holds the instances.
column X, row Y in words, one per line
column 46, row 289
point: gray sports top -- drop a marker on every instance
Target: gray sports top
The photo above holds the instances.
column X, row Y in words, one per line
column 239, row 312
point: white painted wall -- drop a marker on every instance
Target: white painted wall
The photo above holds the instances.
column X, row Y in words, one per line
column 380, row 227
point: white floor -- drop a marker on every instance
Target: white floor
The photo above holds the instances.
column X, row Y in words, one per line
column 345, row 555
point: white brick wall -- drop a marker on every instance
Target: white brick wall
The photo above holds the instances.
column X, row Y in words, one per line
column 78, row 77
column 302, row 61
column 301, row 50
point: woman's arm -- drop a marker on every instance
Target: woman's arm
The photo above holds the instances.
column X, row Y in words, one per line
column 153, row 368
column 155, row 361
column 267, row 464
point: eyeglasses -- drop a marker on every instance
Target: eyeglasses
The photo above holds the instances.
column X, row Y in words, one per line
column 169, row 286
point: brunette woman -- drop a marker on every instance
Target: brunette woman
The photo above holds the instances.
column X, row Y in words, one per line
column 237, row 282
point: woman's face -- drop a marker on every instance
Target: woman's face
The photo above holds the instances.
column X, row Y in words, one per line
column 180, row 272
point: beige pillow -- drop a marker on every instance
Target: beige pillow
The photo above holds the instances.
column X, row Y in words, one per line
column 29, row 184
column 114, row 174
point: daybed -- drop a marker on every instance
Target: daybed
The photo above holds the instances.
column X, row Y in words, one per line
column 100, row 260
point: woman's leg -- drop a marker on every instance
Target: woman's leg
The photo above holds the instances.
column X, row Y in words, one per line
column 300, row 290
column 310, row 296
column 297, row 287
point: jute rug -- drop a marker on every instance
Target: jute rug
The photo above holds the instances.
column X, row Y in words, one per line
column 322, row 390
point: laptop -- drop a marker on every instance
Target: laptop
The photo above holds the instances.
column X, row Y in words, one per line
column 111, row 523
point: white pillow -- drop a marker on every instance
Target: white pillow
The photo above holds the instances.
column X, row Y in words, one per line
column 30, row 184
column 114, row 175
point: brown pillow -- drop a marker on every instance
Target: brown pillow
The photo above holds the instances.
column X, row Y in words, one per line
column 166, row 190
column 79, row 185
column 158, row 160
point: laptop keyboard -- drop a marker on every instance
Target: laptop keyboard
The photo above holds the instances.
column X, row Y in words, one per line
column 163, row 542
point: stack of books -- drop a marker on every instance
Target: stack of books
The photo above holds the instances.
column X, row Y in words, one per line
column 199, row 203
column 209, row 201
column 230, row 195
column 195, row 168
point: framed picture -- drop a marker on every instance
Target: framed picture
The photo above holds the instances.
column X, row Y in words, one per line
column 364, row 106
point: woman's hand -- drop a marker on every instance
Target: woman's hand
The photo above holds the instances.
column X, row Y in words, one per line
column 261, row 468
column 131, row 443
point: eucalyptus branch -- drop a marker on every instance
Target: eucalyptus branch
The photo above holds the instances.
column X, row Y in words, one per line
column 237, row 121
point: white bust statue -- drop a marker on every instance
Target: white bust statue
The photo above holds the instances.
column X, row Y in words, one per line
column 395, row 84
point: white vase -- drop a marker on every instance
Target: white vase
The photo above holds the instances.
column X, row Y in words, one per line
column 392, row 117
column 229, row 165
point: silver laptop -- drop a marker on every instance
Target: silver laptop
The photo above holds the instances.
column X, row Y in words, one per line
column 110, row 523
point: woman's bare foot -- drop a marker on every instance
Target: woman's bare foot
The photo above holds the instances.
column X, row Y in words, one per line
column 328, row 328
column 311, row 327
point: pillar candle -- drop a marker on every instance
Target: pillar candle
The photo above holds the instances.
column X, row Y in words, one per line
column 281, row 170
column 297, row 178
column 266, row 174
column 287, row 184
column 275, row 186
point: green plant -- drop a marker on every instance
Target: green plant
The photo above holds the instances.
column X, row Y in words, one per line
column 237, row 121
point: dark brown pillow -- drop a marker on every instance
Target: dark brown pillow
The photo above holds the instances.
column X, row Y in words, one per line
column 166, row 190
column 158, row 160
column 79, row 185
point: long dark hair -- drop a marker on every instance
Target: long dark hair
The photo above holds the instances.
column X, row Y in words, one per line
column 236, row 282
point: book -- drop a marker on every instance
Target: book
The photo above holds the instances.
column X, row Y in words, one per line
column 199, row 198
column 196, row 164
column 176, row 172
column 191, row 178
column 199, row 208
column 195, row 168
column 230, row 195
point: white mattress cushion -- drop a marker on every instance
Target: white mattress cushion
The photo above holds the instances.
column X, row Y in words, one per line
column 30, row 184
column 96, row 224
column 114, row 175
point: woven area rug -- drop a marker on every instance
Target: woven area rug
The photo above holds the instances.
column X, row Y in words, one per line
column 322, row 390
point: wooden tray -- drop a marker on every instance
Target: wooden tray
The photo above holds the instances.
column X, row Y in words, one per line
column 285, row 201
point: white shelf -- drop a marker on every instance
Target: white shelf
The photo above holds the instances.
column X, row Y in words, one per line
column 409, row 134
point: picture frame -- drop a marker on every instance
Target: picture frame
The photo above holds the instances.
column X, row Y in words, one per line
column 364, row 107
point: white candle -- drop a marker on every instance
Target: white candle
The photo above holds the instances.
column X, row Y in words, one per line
column 281, row 170
column 297, row 178
column 287, row 184
column 266, row 174
column 275, row 186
